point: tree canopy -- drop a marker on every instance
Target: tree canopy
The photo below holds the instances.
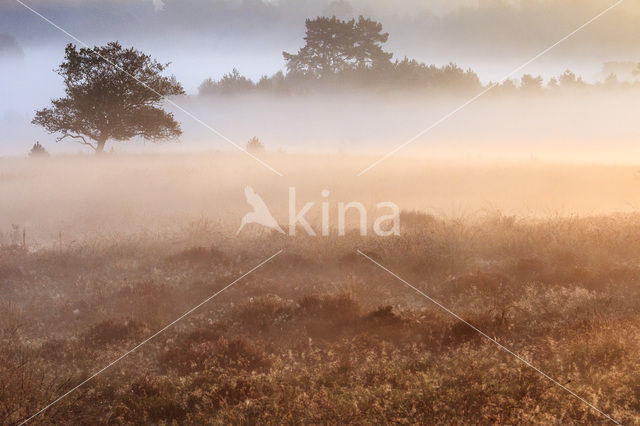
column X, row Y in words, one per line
column 105, row 98
column 334, row 46
column 346, row 54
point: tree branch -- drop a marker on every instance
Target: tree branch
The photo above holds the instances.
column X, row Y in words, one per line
column 82, row 140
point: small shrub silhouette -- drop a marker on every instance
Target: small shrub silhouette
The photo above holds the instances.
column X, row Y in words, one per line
column 37, row 150
column 254, row 146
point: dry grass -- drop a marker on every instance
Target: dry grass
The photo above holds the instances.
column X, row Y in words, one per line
column 321, row 335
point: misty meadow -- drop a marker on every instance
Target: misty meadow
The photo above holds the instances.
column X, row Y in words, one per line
column 319, row 212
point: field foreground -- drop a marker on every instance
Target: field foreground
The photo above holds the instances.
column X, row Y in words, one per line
column 322, row 335
column 97, row 255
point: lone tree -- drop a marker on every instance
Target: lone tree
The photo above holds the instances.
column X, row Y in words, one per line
column 333, row 46
column 106, row 100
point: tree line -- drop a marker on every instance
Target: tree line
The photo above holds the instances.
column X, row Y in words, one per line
column 345, row 54
column 117, row 93
column 349, row 54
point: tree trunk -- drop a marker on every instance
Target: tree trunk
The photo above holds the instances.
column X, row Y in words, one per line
column 100, row 145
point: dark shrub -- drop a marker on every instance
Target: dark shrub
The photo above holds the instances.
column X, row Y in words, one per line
column 265, row 313
column 328, row 317
column 110, row 332
column 153, row 399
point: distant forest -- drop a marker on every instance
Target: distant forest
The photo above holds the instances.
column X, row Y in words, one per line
column 349, row 55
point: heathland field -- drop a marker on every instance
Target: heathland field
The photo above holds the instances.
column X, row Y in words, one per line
column 99, row 254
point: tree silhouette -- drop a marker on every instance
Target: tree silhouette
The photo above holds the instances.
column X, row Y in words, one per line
column 37, row 150
column 105, row 99
column 367, row 49
column 230, row 83
column 531, row 83
column 255, row 146
column 334, row 46
column 570, row 80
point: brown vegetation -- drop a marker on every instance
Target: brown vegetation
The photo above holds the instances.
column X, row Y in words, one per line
column 333, row 339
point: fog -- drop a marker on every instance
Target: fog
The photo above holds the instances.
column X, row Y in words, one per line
column 115, row 196
column 558, row 127
column 320, row 165
column 567, row 127
column 205, row 39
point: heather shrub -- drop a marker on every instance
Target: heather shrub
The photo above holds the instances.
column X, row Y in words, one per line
column 324, row 336
column 190, row 356
column 110, row 332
